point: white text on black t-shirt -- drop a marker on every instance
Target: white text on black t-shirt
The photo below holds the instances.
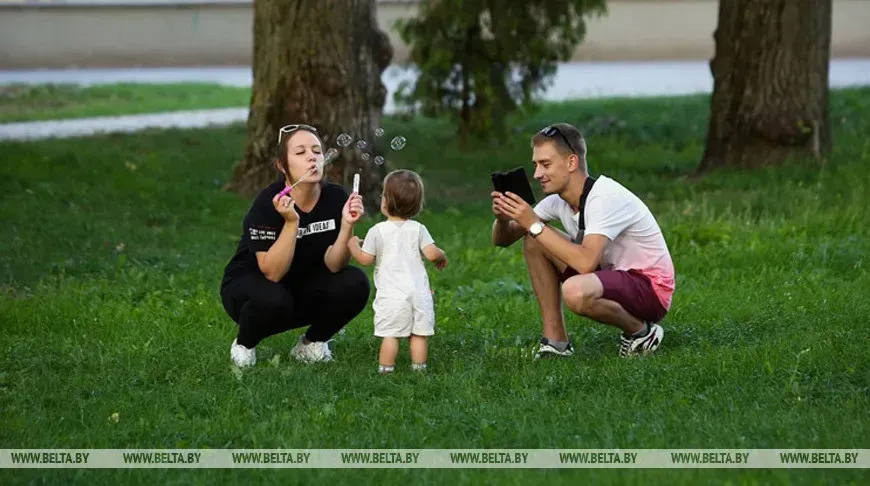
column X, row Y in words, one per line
column 317, row 227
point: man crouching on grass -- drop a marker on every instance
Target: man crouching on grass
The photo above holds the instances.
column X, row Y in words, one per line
column 618, row 271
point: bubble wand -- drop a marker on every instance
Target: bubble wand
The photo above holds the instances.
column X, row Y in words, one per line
column 330, row 154
column 355, row 190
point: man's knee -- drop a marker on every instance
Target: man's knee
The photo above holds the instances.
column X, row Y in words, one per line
column 575, row 295
column 531, row 245
column 533, row 249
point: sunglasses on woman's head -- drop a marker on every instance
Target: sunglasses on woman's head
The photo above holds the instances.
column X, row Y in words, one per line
column 551, row 131
column 293, row 128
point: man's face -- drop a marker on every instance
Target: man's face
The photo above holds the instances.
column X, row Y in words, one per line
column 552, row 170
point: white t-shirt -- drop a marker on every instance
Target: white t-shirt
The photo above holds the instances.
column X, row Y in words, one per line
column 399, row 268
column 636, row 241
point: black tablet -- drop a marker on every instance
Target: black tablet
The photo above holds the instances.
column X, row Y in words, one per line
column 514, row 181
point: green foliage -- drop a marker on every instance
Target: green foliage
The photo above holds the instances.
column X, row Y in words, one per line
column 481, row 60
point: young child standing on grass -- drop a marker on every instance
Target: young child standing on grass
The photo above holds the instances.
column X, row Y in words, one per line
column 403, row 301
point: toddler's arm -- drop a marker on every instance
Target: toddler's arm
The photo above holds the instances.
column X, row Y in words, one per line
column 358, row 254
column 435, row 255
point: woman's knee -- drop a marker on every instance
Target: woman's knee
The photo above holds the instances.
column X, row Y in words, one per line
column 231, row 305
column 273, row 300
column 350, row 285
column 355, row 285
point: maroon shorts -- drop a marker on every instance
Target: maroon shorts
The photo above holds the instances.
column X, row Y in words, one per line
column 632, row 290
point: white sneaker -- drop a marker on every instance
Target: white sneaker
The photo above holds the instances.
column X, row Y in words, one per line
column 639, row 346
column 546, row 350
column 242, row 356
column 313, row 352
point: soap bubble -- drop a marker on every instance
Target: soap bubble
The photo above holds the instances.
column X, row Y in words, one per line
column 365, row 156
column 330, row 155
column 344, row 140
column 362, row 144
column 379, row 160
column 398, row 143
column 379, row 132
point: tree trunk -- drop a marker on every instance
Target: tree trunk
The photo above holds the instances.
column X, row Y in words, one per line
column 320, row 63
column 770, row 91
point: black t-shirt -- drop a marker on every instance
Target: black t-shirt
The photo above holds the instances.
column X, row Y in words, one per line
column 318, row 230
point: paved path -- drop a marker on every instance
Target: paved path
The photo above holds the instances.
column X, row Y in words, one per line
column 572, row 81
column 80, row 127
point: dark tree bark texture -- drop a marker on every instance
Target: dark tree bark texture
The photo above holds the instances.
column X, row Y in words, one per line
column 317, row 62
column 770, row 93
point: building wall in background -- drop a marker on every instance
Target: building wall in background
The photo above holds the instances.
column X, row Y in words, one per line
column 81, row 33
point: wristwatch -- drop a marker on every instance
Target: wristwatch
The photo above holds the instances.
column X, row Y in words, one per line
column 536, row 228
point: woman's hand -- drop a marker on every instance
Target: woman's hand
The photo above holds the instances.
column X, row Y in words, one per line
column 353, row 209
column 286, row 207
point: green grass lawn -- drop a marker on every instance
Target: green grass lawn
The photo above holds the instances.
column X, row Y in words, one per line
column 111, row 255
column 53, row 102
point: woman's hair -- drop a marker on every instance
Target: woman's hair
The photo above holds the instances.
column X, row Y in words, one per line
column 282, row 164
column 403, row 193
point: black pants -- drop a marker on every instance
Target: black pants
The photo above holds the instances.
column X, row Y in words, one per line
column 326, row 302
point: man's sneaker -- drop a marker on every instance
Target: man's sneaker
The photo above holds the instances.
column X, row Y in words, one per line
column 639, row 346
column 547, row 350
column 242, row 356
column 313, row 352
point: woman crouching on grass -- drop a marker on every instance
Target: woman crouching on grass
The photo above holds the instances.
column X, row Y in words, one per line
column 291, row 265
